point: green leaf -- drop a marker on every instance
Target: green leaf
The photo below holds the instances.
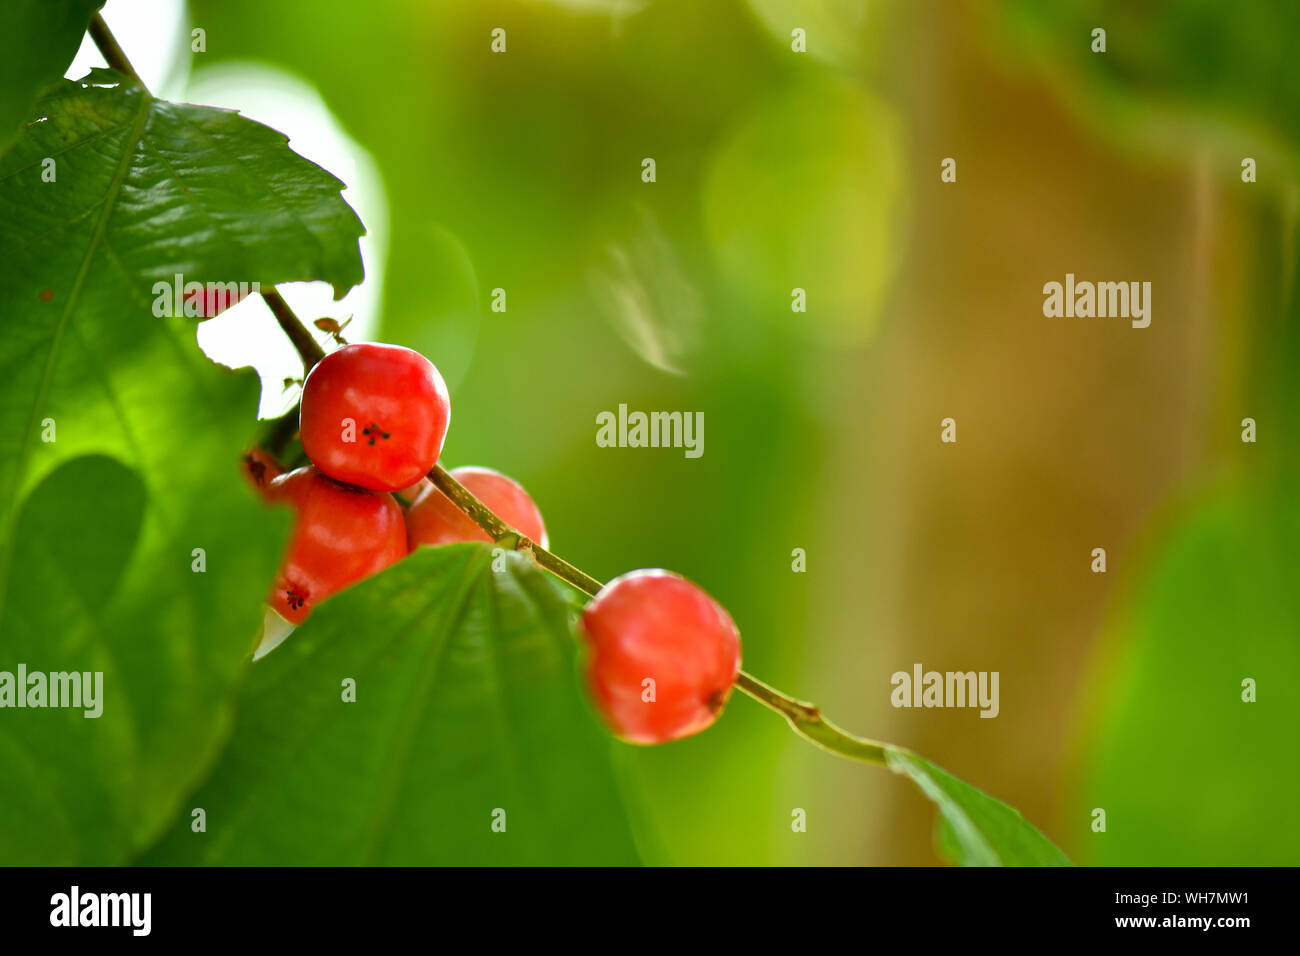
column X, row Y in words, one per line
column 144, row 190
column 103, row 580
column 38, row 39
column 467, row 702
column 975, row 829
column 119, row 446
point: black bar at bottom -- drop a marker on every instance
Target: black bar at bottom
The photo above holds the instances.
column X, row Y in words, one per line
column 331, row 906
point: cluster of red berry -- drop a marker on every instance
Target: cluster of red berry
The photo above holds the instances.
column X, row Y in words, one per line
column 663, row 654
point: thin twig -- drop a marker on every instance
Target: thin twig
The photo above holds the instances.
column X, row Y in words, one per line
column 498, row 530
column 308, row 348
column 807, row 721
column 113, row 54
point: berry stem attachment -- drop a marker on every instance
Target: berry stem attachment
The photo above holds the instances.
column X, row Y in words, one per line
column 804, row 718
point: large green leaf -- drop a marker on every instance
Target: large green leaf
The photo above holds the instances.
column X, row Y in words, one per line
column 467, row 702
column 974, row 828
column 38, row 39
column 105, row 581
column 144, row 190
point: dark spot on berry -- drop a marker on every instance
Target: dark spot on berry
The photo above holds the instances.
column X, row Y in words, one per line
column 716, row 700
column 374, row 431
column 295, row 598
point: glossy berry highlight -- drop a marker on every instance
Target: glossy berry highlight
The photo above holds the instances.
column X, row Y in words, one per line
column 340, row 536
column 433, row 519
column 374, row 416
column 663, row 656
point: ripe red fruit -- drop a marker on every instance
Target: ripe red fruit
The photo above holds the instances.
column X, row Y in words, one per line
column 374, row 416
column 212, row 301
column 655, row 625
column 340, row 535
column 260, row 468
column 433, row 519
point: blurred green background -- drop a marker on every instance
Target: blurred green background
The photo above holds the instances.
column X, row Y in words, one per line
column 775, row 170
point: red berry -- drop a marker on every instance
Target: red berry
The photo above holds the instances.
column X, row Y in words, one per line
column 433, row 519
column 260, row 468
column 374, row 416
column 211, row 301
column 656, row 626
column 340, row 535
